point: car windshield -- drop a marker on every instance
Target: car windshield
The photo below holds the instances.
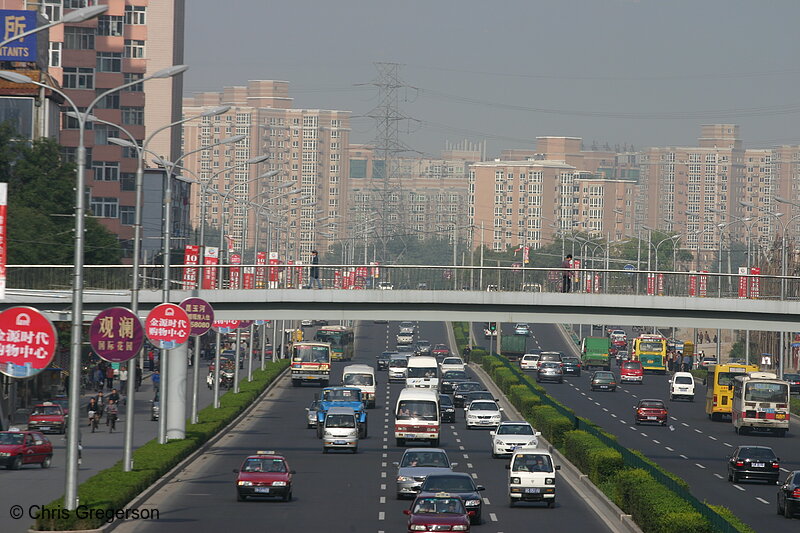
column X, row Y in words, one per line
column 423, row 344
column 651, row 347
column 11, row 438
column 515, row 429
column 480, row 395
column 549, row 365
column 448, row 484
column 653, row 404
column 571, row 360
column 632, row 366
column 264, row 465
column 765, row 454
column 445, row 400
column 468, row 387
column 417, row 410
column 532, row 463
column 46, row 410
column 388, row 354
column 406, row 325
column 441, row 347
column 422, row 372
column 340, row 421
column 425, row 459
column 399, row 362
column 452, row 361
column 791, row 377
column 454, row 374
column 310, row 354
column 604, row 376
column 684, row 380
column 359, row 380
column 483, row 406
column 438, row 506
column 341, row 395
column 766, row 392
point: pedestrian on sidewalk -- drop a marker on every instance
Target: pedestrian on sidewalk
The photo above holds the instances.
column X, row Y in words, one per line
column 99, row 378
column 566, row 274
column 152, row 358
column 123, row 377
column 138, row 377
column 112, row 413
column 156, row 378
column 110, row 377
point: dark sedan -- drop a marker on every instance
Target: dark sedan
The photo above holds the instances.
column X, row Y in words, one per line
column 754, row 462
column 450, row 378
column 459, row 484
column 382, row 360
column 447, row 411
column 789, row 495
column 794, row 382
column 603, row 380
column 571, row 365
column 461, row 390
column 550, row 371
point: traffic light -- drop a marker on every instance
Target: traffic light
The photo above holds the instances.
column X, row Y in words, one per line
column 492, row 326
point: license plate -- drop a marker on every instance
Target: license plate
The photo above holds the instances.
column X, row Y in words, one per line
column 262, row 489
column 603, row 386
column 652, row 418
column 758, row 465
column 44, row 428
column 535, row 490
column 340, row 442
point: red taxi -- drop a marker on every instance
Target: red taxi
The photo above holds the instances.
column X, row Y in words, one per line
column 650, row 411
column 631, row 371
column 18, row 448
column 265, row 474
column 440, row 512
column 440, row 350
column 48, row 417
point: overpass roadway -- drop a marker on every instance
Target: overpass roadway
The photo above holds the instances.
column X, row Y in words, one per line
column 433, row 305
column 691, row 446
column 340, row 491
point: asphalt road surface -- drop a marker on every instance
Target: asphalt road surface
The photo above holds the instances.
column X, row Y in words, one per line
column 691, row 446
column 342, row 492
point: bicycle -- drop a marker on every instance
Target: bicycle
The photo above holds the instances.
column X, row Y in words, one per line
column 94, row 419
column 112, row 422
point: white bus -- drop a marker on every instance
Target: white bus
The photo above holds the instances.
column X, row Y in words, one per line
column 417, row 416
column 760, row 401
column 362, row 377
column 423, row 372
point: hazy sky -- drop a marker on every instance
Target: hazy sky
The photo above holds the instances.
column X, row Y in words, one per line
column 645, row 72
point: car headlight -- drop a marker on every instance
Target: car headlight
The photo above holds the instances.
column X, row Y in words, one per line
column 499, row 443
column 5, row 454
column 278, row 483
column 245, row 483
column 403, row 479
column 515, row 481
column 459, row 528
column 533, row 442
column 472, row 503
column 418, row 527
column 550, row 481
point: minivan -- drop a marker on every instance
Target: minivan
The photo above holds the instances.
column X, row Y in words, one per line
column 532, row 476
column 362, row 377
column 631, row 371
column 681, row 386
column 340, row 429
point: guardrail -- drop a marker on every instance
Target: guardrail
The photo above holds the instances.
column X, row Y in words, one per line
column 414, row 277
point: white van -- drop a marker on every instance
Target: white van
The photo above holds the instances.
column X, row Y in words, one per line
column 417, row 416
column 423, row 372
column 681, row 385
column 340, row 429
column 532, row 476
column 361, row 377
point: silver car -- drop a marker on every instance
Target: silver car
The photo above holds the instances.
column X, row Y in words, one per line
column 311, row 414
column 398, row 368
column 416, row 465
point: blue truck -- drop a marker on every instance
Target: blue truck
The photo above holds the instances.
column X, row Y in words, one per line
column 342, row 397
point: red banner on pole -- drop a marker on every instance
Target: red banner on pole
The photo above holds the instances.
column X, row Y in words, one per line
column 191, row 256
column 660, row 284
column 596, row 282
column 693, row 285
column 273, row 270
column 703, row 284
column 375, row 270
column 249, row 277
column 261, row 272
column 210, row 257
column 299, row 272
column 651, row 284
column 236, row 272
column 742, row 282
column 755, row 283
column 337, row 279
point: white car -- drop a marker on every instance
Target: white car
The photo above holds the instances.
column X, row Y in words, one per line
column 483, row 414
column 529, row 361
column 405, row 338
column 522, row 329
column 306, row 323
column 512, row 435
column 451, row 363
column 681, row 385
column 532, row 477
column 408, row 327
column 385, row 286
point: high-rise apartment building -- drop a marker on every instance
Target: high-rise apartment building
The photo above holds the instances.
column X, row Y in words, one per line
column 132, row 39
column 307, row 149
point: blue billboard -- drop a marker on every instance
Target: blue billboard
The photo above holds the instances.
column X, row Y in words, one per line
column 14, row 23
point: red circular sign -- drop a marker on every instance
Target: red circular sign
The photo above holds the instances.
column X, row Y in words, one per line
column 225, row 326
column 201, row 314
column 116, row 334
column 244, row 324
column 27, row 342
column 167, row 326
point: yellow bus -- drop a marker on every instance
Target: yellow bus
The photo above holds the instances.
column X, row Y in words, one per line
column 341, row 339
column 719, row 388
column 651, row 351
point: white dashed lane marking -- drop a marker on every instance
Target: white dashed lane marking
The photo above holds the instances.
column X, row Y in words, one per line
column 669, row 449
column 656, row 442
column 604, row 409
column 728, row 445
column 697, row 430
column 718, row 476
column 762, row 500
column 612, row 414
column 698, row 465
column 383, row 499
column 474, row 475
column 684, row 424
column 738, row 487
column 682, row 456
column 486, row 501
column 493, row 517
column 712, row 438
column 383, row 474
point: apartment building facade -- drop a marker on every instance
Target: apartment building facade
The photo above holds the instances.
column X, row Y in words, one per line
column 300, row 206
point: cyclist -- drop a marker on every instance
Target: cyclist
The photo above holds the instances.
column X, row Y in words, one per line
column 91, row 408
column 111, row 415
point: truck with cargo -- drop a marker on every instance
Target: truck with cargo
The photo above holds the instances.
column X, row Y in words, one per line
column 513, row 346
column 594, row 352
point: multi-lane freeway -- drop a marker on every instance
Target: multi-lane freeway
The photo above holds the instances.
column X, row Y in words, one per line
column 691, row 446
column 341, row 491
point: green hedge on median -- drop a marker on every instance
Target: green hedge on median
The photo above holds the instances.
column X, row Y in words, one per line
column 113, row 489
column 794, row 406
column 590, row 455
